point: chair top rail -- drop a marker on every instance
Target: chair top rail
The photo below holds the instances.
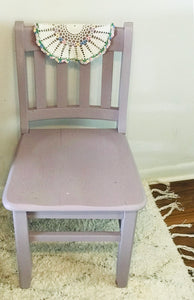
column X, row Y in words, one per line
column 30, row 44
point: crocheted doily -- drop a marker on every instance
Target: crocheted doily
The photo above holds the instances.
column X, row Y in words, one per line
column 73, row 42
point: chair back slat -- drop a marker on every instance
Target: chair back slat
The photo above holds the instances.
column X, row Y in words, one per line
column 65, row 105
column 40, row 79
column 22, row 76
column 62, row 100
column 107, row 72
column 84, row 85
column 124, row 80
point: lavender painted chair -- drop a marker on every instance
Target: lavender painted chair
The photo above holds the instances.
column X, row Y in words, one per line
column 73, row 173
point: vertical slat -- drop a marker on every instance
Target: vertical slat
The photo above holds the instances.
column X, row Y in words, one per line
column 84, row 88
column 107, row 72
column 40, row 79
column 125, row 247
column 124, row 78
column 62, row 85
column 22, row 75
column 22, row 248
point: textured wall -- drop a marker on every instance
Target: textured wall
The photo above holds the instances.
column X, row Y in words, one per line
column 161, row 103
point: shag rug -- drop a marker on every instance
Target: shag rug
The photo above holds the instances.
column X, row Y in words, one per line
column 87, row 270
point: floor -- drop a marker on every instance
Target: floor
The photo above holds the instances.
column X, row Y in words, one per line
column 185, row 191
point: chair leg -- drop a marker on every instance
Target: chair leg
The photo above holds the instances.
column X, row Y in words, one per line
column 22, row 248
column 125, row 248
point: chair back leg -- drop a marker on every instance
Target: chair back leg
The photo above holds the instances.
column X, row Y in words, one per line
column 125, row 248
column 23, row 253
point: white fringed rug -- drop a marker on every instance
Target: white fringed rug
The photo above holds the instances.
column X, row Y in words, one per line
column 87, row 271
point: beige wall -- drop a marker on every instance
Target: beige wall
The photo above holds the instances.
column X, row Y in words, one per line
column 161, row 103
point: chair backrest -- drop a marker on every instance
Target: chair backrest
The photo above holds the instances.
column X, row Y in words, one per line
column 25, row 42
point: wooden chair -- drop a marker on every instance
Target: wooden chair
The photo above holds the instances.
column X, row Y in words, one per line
column 73, row 173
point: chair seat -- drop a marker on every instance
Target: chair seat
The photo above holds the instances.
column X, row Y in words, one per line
column 73, row 169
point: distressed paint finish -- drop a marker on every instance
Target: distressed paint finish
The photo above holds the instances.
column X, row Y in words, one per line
column 25, row 42
column 73, row 173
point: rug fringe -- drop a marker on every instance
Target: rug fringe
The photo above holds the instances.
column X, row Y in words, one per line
column 187, row 248
column 187, row 257
column 170, row 195
column 166, row 194
column 182, row 234
column 179, row 225
column 172, row 206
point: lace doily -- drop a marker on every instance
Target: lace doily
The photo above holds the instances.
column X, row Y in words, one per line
column 73, row 42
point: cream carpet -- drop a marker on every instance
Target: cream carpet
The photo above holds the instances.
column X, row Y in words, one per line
column 87, row 271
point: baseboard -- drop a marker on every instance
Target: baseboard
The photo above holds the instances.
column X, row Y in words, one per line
column 169, row 173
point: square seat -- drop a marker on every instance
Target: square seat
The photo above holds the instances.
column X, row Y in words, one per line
column 73, row 169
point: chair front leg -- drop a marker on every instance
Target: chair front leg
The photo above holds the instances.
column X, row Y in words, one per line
column 22, row 248
column 125, row 248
